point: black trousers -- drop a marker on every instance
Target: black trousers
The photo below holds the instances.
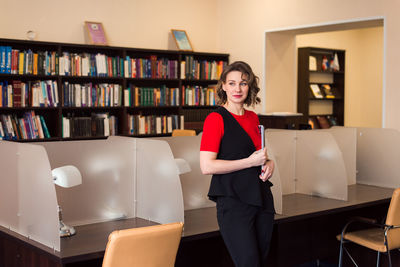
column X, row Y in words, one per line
column 246, row 231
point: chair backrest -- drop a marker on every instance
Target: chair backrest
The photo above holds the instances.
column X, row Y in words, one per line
column 186, row 132
column 152, row 246
column 393, row 218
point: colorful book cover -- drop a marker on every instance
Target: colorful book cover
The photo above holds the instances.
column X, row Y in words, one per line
column 17, row 94
column 316, row 91
column 2, row 59
column 45, row 129
column 328, row 91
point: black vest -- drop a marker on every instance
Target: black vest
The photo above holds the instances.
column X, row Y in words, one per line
column 243, row 184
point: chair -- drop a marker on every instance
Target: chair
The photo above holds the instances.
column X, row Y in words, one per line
column 381, row 237
column 179, row 132
column 152, row 246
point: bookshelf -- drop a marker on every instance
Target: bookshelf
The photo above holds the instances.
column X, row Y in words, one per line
column 321, row 92
column 62, row 91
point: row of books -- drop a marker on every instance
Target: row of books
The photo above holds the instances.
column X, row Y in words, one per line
column 98, row 124
column 151, row 96
column 323, row 91
column 14, row 61
column 92, row 95
column 30, row 126
column 199, row 95
column 154, row 68
column 29, row 94
column 45, row 94
column 85, row 64
column 201, row 69
column 197, row 116
column 322, row 122
column 153, row 124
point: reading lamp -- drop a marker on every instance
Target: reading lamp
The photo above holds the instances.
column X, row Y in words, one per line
column 66, row 176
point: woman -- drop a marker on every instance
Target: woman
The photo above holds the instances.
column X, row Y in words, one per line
column 231, row 151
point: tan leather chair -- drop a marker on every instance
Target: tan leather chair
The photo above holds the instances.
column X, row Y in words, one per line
column 152, row 246
column 382, row 237
column 178, row 132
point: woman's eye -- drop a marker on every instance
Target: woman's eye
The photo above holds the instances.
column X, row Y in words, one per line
column 243, row 84
column 231, row 84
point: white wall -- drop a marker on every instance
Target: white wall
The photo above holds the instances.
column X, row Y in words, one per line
column 130, row 23
column 242, row 27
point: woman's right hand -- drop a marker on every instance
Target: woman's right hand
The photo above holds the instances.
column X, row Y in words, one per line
column 259, row 157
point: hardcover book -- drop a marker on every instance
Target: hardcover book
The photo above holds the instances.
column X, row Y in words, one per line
column 328, row 90
column 323, row 122
column 316, row 91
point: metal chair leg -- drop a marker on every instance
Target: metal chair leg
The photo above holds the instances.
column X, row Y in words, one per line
column 390, row 259
column 341, row 253
column 378, row 259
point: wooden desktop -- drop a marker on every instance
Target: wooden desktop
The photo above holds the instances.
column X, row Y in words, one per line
column 304, row 232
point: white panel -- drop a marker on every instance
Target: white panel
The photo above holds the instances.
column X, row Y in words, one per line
column 159, row 191
column 378, row 154
column 275, row 179
column 283, row 147
column 107, row 189
column 28, row 203
column 320, row 168
column 9, row 185
column 195, row 185
column 346, row 138
column 38, row 212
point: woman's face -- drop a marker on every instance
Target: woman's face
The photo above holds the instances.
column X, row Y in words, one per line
column 236, row 87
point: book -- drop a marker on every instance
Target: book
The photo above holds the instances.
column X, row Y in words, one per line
column 316, row 91
column 312, row 121
column 65, row 127
column 17, row 93
column 44, row 126
column 312, row 63
column 328, row 90
column 323, row 122
column 332, row 120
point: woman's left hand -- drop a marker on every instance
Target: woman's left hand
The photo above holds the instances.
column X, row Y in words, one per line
column 267, row 170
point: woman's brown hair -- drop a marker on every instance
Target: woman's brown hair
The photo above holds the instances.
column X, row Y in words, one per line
column 248, row 75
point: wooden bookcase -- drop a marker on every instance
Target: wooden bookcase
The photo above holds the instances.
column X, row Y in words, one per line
column 326, row 108
column 106, row 81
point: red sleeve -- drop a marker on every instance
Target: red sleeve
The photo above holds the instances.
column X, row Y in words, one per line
column 256, row 136
column 213, row 130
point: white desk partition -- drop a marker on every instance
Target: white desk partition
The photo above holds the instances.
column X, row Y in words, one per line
column 195, row 185
column 346, row 139
column 275, row 179
column 310, row 162
column 121, row 178
column 159, row 191
column 107, row 189
column 378, row 154
column 320, row 168
column 28, row 202
column 283, row 144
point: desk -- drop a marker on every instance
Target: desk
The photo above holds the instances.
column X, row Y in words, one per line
column 306, row 230
column 88, row 244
